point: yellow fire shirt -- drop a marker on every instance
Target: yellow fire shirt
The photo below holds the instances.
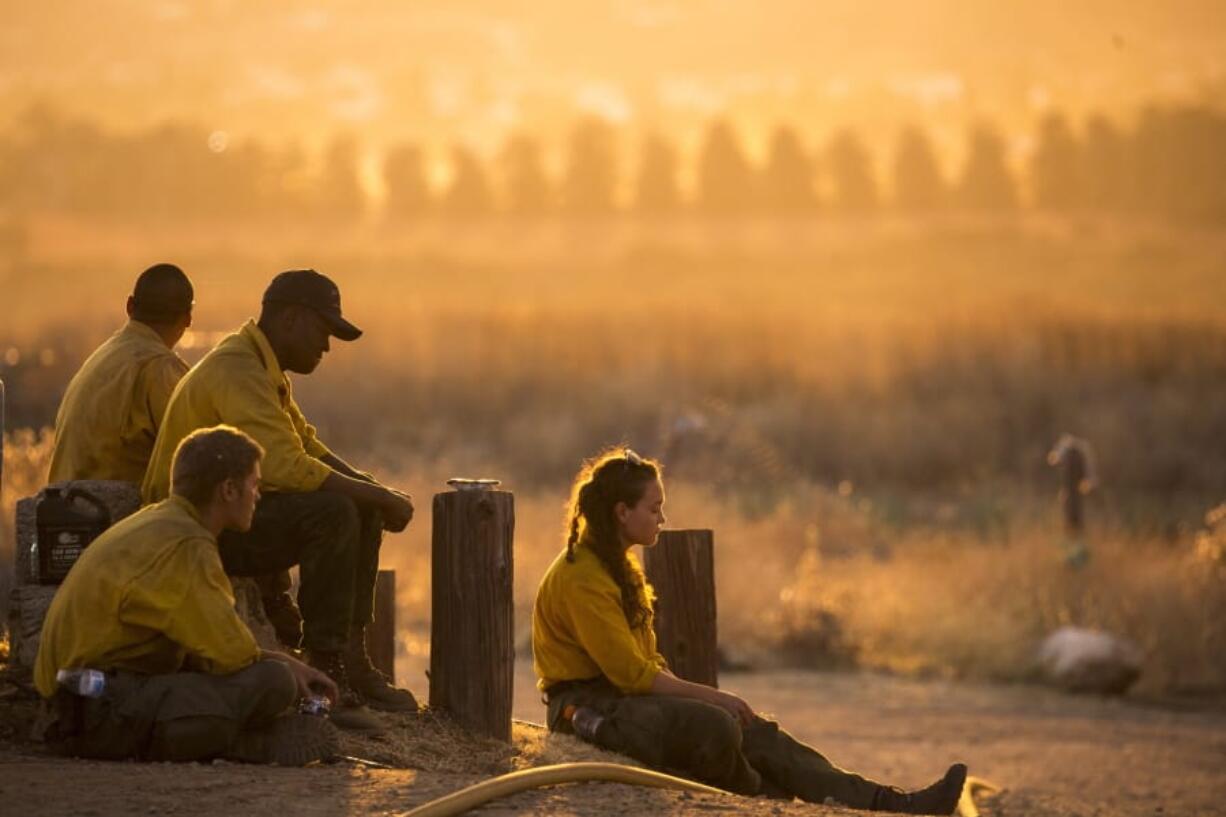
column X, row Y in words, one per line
column 240, row 383
column 146, row 596
column 109, row 418
column 579, row 629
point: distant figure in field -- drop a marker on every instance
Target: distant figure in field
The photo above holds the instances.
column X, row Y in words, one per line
column 149, row 604
column 113, row 407
column 317, row 511
column 595, row 655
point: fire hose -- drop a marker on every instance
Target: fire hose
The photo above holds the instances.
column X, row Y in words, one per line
column 515, row 782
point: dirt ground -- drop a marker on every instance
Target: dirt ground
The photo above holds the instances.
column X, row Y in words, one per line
column 1053, row 754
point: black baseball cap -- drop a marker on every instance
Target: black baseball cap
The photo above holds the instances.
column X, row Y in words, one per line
column 306, row 287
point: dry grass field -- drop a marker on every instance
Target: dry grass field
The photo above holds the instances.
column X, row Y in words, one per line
column 861, row 411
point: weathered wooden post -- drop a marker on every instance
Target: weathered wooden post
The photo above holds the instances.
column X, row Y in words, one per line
column 681, row 567
column 472, row 657
column 381, row 640
column 2, row 427
column 1078, row 479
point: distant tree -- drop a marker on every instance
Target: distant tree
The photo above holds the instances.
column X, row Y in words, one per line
column 787, row 178
column 340, row 192
column 1196, row 189
column 468, row 194
column 589, row 184
column 851, row 172
column 725, row 176
column 1107, row 176
column 404, row 177
column 656, row 189
column 292, row 187
column 525, row 185
column 918, row 184
column 1055, row 167
column 986, row 183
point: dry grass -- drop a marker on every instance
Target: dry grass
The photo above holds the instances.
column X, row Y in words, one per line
column 861, row 412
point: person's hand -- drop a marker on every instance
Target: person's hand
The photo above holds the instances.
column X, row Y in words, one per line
column 735, row 706
column 311, row 681
column 397, row 510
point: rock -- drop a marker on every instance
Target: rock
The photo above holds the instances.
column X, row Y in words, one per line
column 27, row 608
column 1081, row 660
column 251, row 610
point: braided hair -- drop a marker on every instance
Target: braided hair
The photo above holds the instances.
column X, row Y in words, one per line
column 613, row 476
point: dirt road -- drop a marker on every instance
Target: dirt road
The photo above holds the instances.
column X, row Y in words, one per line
column 1055, row 755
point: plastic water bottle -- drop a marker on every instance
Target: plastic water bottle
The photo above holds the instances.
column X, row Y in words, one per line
column 88, row 683
column 315, row 705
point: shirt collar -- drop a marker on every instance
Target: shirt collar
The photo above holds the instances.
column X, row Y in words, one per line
column 142, row 330
column 264, row 349
column 185, row 504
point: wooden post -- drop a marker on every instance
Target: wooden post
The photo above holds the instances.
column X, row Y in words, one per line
column 681, row 567
column 472, row 656
column 381, row 639
column 2, row 427
column 1072, row 492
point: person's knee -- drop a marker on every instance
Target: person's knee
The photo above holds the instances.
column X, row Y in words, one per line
column 716, row 728
column 715, row 743
column 274, row 685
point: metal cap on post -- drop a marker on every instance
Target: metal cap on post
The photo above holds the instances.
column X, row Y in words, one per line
column 472, row 656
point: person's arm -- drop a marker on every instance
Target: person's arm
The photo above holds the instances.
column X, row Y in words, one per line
column 188, row 598
column 665, row 683
column 395, row 508
column 247, row 400
column 600, row 626
column 310, row 680
column 338, row 465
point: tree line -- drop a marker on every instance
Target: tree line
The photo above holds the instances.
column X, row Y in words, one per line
column 1169, row 163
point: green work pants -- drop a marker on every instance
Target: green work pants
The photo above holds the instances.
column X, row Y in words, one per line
column 177, row 717
column 336, row 547
column 704, row 742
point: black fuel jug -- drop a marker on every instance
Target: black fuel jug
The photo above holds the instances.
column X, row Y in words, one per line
column 64, row 528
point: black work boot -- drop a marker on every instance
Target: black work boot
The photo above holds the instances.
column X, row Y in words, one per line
column 286, row 619
column 290, row 740
column 350, row 712
column 939, row 798
column 372, row 684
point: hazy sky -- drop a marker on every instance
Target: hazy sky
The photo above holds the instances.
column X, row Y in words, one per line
column 476, row 69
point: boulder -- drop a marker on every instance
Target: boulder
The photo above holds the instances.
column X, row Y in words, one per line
column 1081, row 660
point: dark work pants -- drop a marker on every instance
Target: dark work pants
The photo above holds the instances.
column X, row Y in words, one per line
column 704, row 742
column 181, row 716
column 336, row 548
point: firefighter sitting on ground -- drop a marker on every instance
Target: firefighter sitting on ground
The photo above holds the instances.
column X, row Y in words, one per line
column 149, row 604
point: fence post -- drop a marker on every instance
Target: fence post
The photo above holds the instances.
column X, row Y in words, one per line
column 472, row 656
column 2, row 429
column 681, row 567
column 381, row 640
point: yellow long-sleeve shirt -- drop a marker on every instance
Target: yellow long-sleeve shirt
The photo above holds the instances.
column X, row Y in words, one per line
column 146, row 596
column 579, row 629
column 111, row 411
column 240, row 383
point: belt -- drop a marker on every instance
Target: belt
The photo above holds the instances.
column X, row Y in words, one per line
column 559, row 687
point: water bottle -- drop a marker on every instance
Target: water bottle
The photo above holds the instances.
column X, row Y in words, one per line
column 34, row 560
column 315, row 705
column 88, row 683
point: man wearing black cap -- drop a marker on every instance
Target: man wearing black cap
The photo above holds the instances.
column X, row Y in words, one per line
column 113, row 406
column 317, row 511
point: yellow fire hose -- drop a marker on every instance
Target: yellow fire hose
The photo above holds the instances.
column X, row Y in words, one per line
column 508, row 784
